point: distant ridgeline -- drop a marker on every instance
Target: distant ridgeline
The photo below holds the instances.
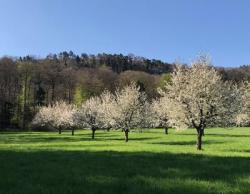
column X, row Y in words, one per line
column 116, row 62
column 28, row 82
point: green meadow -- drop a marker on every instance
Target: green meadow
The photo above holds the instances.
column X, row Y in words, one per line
column 150, row 163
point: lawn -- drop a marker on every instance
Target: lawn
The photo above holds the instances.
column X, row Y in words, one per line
column 150, row 163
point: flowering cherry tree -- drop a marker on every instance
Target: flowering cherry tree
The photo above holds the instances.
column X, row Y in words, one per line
column 106, row 110
column 127, row 108
column 60, row 116
column 201, row 96
column 161, row 113
column 145, row 118
column 89, row 115
column 167, row 113
column 243, row 117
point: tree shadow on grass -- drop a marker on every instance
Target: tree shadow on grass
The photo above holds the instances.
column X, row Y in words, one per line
column 39, row 139
column 135, row 138
column 226, row 135
column 53, row 137
column 186, row 134
column 64, row 172
column 188, row 142
column 213, row 134
column 237, row 150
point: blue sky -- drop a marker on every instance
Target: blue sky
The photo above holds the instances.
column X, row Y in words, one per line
column 163, row 29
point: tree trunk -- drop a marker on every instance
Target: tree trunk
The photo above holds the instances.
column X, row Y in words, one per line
column 93, row 133
column 53, row 92
column 73, row 131
column 126, row 135
column 166, row 130
column 202, row 132
column 24, row 117
column 60, row 131
column 199, row 139
column 25, row 101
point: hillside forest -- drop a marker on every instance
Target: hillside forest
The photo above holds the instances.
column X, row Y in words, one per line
column 29, row 82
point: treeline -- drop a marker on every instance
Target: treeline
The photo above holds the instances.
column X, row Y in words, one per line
column 236, row 74
column 116, row 62
column 28, row 82
column 196, row 96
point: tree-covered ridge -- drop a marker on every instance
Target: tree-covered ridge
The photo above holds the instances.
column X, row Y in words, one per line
column 196, row 96
column 116, row 62
column 28, row 82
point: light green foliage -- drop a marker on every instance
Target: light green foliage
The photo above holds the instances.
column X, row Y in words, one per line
column 165, row 77
column 151, row 162
column 79, row 96
column 23, row 100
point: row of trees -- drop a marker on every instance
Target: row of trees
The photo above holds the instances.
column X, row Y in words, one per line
column 127, row 108
column 117, row 62
column 28, row 82
column 195, row 97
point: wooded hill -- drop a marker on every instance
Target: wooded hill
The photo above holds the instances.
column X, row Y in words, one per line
column 28, row 82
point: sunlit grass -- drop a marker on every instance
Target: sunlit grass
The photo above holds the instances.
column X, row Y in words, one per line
column 151, row 162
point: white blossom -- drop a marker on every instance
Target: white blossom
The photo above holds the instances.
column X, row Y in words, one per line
column 164, row 113
column 202, row 97
column 59, row 115
column 125, row 109
column 243, row 117
column 89, row 115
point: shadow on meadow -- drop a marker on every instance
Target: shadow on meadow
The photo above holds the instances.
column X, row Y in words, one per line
column 121, row 173
column 237, row 150
column 64, row 137
column 227, row 135
column 214, row 135
column 184, row 143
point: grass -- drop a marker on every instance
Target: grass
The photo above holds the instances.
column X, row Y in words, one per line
column 150, row 163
